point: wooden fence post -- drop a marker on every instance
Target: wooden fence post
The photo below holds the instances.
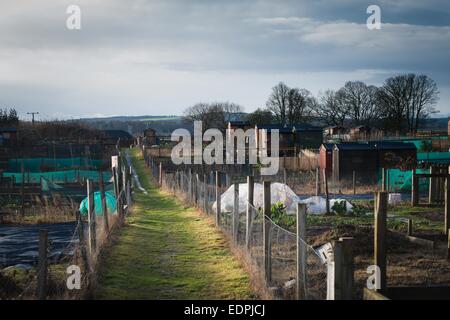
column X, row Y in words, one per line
column 218, row 195
column 317, row 182
column 42, row 265
column 301, row 251
column 447, row 204
column 432, row 186
column 22, row 192
column 414, row 189
column 91, row 218
column 235, row 218
column 383, row 179
column 266, row 232
column 103, row 198
column 354, row 182
column 409, row 231
column 82, row 242
column 343, row 269
column 380, row 236
column 191, row 186
column 327, row 196
column 197, row 189
column 160, row 174
column 205, row 192
column 448, row 245
column 249, row 215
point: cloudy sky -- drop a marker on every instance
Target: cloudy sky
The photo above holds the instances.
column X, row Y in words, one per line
column 157, row 57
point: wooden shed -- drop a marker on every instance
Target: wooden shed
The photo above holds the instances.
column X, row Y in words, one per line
column 150, row 138
column 8, row 137
column 292, row 138
column 326, row 158
column 359, row 157
column 396, row 155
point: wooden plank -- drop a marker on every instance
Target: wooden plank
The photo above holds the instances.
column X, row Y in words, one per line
column 301, row 251
column 249, row 215
column 422, row 242
column 91, row 219
column 380, row 236
column 235, row 217
column 266, row 232
column 447, row 205
column 409, row 231
column 343, row 269
column 327, row 196
column 42, row 265
column 373, row 295
column 414, row 189
column 103, row 199
column 317, row 182
column 354, row 182
column 218, row 194
column 432, row 186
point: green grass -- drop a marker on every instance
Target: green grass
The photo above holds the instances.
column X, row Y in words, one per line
column 420, row 216
column 168, row 251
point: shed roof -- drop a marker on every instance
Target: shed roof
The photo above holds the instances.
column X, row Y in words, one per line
column 328, row 146
column 8, row 130
column 116, row 134
column 354, row 146
column 389, row 145
column 289, row 128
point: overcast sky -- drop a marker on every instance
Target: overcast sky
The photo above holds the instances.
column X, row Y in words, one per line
column 157, row 57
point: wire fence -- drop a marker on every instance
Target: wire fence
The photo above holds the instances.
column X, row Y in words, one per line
column 67, row 271
column 289, row 266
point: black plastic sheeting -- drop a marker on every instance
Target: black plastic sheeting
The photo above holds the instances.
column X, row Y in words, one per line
column 19, row 243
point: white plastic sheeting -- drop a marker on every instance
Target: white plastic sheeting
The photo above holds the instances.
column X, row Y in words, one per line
column 279, row 192
column 318, row 205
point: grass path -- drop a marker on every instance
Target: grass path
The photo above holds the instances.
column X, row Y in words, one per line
column 168, row 251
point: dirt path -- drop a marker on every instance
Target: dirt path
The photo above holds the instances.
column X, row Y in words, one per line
column 168, row 251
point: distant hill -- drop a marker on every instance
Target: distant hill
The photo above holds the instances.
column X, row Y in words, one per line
column 131, row 118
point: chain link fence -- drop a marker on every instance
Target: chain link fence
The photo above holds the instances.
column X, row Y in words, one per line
column 271, row 248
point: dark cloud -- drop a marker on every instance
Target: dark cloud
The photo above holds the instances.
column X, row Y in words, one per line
column 132, row 56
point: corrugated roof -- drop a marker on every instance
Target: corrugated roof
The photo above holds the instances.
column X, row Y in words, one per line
column 289, row 128
column 328, row 146
column 376, row 145
column 388, row 145
column 355, row 146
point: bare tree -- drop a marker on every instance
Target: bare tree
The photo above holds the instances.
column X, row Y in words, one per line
column 290, row 105
column 425, row 95
column 331, row 108
column 212, row 115
column 260, row 116
column 278, row 102
column 359, row 100
column 300, row 106
column 405, row 100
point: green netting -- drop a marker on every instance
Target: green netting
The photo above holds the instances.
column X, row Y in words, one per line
column 434, row 157
column 36, row 164
column 58, row 176
column 110, row 204
column 400, row 181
